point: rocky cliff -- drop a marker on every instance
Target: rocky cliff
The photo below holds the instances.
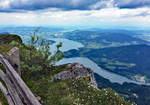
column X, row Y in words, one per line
column 75, row 71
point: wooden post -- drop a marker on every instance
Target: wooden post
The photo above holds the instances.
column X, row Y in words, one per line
column 13, row 57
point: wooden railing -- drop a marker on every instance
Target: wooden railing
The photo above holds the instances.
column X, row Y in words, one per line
column 15, row 90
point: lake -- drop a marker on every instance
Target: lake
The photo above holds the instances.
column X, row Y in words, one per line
column 69, row 44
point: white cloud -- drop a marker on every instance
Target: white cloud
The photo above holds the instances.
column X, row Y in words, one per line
column 4, row 4
column 106, row 17
column 103, row 4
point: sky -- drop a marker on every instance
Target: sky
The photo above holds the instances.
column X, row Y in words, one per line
column 78, row 13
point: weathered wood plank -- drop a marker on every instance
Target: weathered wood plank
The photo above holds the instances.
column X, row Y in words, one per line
column 16, row 87
column 14, row 59
column 6, row 94
column 25, row 91
column 11, row 89
column 2, row 75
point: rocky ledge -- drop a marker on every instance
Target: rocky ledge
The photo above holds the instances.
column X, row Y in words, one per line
column 76, row 70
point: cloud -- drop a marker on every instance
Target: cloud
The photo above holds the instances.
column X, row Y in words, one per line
column 131, row 3
column 70, row 12
column 106, row 17
column 12, row 5
column 102, row 4
column 30, row 5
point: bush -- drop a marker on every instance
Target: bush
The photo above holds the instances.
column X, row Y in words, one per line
column 37, row 56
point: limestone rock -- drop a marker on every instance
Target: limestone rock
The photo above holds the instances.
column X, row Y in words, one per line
column 135, row 95
column 76, row 70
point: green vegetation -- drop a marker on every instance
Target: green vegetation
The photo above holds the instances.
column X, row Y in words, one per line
column 37, row 56
column 69, row 92
column 138, row 94
column 5, row 40
column 111, row 62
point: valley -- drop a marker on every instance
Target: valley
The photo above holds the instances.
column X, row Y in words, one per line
column 117, row 53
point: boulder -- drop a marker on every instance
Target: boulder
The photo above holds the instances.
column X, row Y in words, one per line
column 76, row 70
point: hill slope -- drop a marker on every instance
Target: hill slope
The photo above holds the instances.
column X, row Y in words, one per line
column 68, row 92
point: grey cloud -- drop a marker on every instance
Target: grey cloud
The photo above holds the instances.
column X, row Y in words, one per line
column 131, row 3
column 44, row 4
column 25, row 5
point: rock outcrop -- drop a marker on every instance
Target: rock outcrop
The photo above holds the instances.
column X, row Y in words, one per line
column 76, row 70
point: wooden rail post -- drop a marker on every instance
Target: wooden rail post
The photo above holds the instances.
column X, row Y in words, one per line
column 13, row 57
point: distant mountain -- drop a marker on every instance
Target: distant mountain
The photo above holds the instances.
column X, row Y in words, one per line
column 132, row 61
column 4, row 33
column 104, row 38
column 29, row 29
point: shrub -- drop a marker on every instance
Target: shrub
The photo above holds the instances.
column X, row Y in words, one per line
column 37, row 56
